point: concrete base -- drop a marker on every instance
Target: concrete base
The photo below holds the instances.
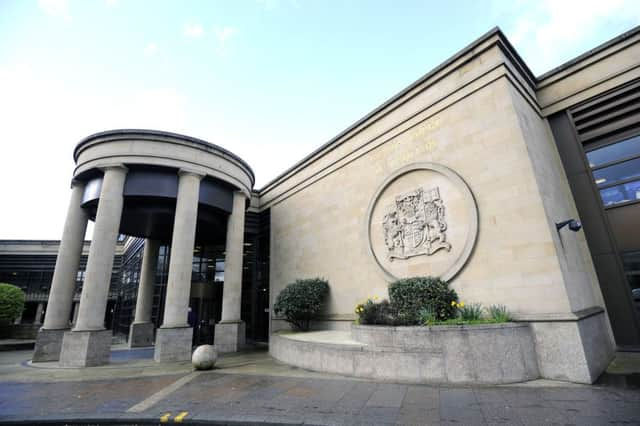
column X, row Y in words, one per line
column 141, row 334
column 482, row 354
column 48, row 345
column 85, row 348
column 173, row 344
column 229, row 336
column 574, row 350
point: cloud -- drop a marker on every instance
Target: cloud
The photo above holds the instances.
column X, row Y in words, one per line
column 155, row 108
column 548, row 32
column 55, row 8
column 193, row 30
column 151, row 49
column 224, row 34
column 44, row 117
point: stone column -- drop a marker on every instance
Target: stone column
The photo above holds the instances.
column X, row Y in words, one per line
column 174, row 337
column 230, row 331
column 141, row 330
column 56, row 319
column 89, row 343
column 38, row 319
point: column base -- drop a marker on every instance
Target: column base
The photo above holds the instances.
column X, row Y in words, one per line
column 173, row 344
column 85, row 348
column 577, row 349
column 48, row 345
column 141, row 334
column 229, row 336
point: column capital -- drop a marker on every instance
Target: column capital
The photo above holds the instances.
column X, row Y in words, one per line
column 115, row 167
column 187, row 172
column 75, row 183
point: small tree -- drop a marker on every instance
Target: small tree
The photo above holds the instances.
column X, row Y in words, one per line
column 11, row 303
column 302, row 301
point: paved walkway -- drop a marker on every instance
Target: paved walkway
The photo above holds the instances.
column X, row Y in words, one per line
column 252, row 388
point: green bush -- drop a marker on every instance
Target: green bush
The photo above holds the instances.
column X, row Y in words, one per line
column 471, row 312
column 409, row 296
column 302, row 301
column 499, row 313
column 11, row 303
column 378, row 313
column 427, row 316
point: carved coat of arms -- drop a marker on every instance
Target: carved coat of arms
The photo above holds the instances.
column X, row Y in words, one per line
column 415, row 225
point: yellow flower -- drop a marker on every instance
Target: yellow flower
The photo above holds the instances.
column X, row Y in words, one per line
column 462, row 304
column 453, row 303
column 375, row 297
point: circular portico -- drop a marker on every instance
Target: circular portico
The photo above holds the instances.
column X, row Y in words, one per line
column 166, row 188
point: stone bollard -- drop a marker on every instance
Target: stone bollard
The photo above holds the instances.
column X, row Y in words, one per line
column 204, row 357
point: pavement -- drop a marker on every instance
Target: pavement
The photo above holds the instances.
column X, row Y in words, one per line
column 252, row 388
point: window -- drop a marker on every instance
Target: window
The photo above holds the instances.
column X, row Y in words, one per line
column 616, row 170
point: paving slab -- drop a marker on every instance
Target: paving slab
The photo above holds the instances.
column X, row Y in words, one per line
column 251, row 388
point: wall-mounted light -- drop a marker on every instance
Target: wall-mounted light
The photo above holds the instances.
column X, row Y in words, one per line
column 574, row 225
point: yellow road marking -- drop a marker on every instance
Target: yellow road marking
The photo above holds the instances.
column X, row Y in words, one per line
column 165, row 418
column 179, row 417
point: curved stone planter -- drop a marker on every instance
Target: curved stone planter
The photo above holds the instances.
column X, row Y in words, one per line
column 486, row 354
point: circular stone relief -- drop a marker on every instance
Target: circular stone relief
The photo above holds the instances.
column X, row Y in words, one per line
column 423, row 220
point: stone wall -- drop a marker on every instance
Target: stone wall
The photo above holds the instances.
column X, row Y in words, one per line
column 478, row 117
column 320, row 229
column 489, row 354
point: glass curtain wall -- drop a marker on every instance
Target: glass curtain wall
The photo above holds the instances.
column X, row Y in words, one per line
column 207, row 284
column 616, row 172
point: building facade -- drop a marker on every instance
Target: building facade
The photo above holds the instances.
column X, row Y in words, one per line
column 30, row 264
column 468, row 174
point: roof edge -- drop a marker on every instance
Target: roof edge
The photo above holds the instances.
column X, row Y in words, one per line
column 617, row 39
column 161, row 133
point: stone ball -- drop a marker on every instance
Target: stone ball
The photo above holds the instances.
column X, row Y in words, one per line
column 204, row 357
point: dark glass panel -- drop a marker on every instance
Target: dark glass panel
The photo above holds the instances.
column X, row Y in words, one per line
column 613, row 152
column 621, row 193
column 631, row 263
column 618, row 172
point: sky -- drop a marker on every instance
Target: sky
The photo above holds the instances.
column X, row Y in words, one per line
column 270, row 80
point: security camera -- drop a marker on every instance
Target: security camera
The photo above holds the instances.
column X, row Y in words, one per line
column 574, row 225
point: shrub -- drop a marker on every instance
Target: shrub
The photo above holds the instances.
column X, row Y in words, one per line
column 379, row 313
column 409, row 296
column 499, row 313
column 427, row 316
column 472, row 312
column 11, row 302
column 302, row 301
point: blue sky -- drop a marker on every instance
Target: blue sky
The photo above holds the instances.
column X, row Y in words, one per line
column 269, row 80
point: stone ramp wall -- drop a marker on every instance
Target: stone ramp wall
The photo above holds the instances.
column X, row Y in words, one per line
column 488, row 354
